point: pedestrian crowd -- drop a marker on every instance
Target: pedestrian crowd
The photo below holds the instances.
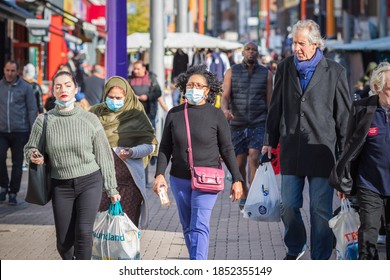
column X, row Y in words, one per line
column 101, row 136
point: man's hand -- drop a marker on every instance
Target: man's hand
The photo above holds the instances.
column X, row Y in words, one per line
column 267, row 150
column 228, row 115
column 341, row 195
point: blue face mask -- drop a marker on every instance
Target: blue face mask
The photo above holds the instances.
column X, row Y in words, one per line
column 66, row 104
column 114, row 104
column 194, row 95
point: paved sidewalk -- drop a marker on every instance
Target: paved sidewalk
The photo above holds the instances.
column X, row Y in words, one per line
column 27, row 232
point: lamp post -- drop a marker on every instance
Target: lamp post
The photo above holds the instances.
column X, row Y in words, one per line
column 116, row 49
column 157, row 54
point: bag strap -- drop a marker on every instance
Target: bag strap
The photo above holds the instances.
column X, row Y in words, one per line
column 42, row 140
column 190, row 159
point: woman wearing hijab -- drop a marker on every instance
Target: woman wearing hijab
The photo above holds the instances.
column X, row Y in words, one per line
column 131, row 137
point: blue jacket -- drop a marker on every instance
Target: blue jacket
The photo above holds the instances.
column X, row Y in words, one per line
column 18, row 107
column 344, row 174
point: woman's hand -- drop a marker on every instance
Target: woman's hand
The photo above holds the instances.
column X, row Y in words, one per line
column 115, row 198
column 158, row 181
column 125, row 153
column 236, row 191
column 36, row 157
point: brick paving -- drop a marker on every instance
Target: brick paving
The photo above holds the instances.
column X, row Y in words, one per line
column 27, row 232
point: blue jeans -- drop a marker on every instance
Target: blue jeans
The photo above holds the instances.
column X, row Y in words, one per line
column 321, row 197
column 194, row 212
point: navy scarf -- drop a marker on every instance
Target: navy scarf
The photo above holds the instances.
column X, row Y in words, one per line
column 306, row 68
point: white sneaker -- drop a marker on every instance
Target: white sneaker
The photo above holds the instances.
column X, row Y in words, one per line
column 381, row 239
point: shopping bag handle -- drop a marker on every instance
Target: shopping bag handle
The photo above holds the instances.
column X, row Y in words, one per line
column 115, row 209
column 345, row 205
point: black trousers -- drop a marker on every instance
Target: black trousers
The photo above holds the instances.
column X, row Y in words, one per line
column 371, row 207
column 75, row 204
column 15, row 141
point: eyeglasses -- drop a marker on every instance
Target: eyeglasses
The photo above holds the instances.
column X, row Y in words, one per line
column 196, row 85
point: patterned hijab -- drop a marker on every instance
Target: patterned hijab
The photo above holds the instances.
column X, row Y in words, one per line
column 129, row 126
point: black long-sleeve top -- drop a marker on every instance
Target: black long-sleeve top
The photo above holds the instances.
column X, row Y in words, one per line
column 210, row 137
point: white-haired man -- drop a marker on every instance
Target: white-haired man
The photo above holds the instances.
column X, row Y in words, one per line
column 308, row 117
column 363, row 168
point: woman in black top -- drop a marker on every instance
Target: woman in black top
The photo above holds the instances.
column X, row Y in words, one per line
column 210, row 136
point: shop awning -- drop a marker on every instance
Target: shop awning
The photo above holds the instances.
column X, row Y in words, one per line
column 10, row 10
column 181, row 40
column 380, row 44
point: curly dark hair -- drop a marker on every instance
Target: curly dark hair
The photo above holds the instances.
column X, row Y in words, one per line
column 212, row 81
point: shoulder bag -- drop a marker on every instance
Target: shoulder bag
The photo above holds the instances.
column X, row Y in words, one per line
column 39, row 180
column 203, row 179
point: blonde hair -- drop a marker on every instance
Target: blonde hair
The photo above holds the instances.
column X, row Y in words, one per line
column 377, row 80
column 314, row 34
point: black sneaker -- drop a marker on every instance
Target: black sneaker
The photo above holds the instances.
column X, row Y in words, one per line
column 3, row 195
column 12, row 199
column 290, row 257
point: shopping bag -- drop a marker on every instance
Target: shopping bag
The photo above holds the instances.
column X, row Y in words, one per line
column 345, row 227
column 39, row 178
column 263, row 201
column 115, row 237
column 38, row 184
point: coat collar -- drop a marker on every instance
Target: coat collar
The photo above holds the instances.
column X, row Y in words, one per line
column 322, row 67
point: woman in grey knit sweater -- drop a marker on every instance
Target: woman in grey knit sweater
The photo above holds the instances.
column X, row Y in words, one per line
column 81, row 165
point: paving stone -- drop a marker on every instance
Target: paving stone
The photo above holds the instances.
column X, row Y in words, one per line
column 27, row 232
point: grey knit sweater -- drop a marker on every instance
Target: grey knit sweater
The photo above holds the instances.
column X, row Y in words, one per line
column 76, row 145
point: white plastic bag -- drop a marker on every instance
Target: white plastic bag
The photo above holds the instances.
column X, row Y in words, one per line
column 115, row 237
column 263, row 201
column 345, row 227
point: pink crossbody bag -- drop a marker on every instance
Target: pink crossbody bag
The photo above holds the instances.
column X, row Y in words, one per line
column 203, row 179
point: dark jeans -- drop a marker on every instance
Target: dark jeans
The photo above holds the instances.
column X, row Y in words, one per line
column 75, row 204
column 16, row 141
column 371, row 207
